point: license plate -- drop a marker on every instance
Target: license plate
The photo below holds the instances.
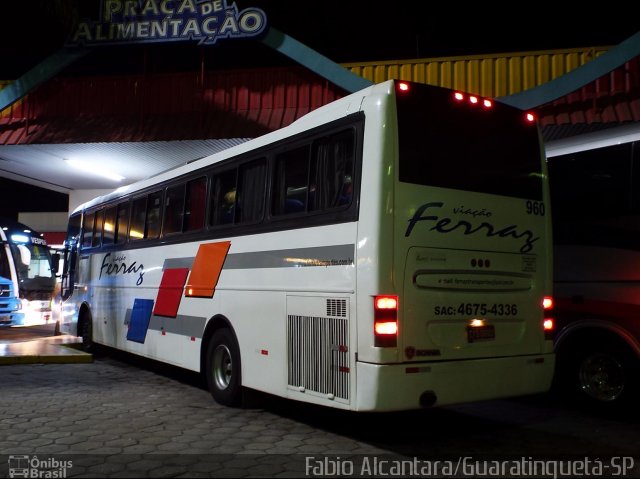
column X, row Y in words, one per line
column 481, row 333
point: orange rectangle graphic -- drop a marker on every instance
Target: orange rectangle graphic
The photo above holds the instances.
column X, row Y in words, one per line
column 206, row 269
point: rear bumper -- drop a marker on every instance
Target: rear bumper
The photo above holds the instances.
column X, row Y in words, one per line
column 418, row 385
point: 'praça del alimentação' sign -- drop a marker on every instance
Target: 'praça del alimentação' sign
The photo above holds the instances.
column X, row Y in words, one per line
column 145, row 21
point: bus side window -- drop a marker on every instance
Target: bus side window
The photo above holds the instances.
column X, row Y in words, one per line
column 174, row 210
column 195, row 204
column 154, row 205
column 332, row 166
column 138, row 214
column 122, row 226
column 290, row 188
column 97, row 228
column 251, row 190
column 87, row 230
column 109, row 226
column 223, row 198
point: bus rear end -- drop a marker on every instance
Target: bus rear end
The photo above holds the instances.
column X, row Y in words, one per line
column 458, row 311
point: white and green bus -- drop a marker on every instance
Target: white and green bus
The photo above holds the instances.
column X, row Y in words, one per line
column 388, row 251
column 27, row 276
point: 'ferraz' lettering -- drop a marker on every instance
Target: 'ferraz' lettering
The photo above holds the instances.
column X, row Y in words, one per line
column 118, row 266
column 448, row 225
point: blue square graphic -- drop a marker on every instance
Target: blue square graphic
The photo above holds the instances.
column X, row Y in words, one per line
column 140, row 317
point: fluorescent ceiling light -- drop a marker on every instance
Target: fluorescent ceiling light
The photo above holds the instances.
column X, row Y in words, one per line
column 94, row 170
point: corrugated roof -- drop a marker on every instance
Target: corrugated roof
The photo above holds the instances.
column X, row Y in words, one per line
column 613, row 98
column 491, row 75
column 180, row 106
column 248, row 103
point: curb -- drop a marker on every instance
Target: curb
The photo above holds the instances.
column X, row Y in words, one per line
column 57, row 354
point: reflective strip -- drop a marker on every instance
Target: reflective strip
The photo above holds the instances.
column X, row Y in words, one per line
column 183, row 325
column 334, row 255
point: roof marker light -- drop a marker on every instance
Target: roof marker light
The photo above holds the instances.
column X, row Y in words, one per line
column 402, row 86
column 487, row 103
column 20, row 238
column 473, row 99
column 458, row 96
column 530, row 118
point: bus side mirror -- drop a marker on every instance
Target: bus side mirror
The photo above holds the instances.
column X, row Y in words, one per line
column 55, row 260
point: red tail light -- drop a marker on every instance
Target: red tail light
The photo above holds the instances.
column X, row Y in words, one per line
column 548, row 325
column 385, row 321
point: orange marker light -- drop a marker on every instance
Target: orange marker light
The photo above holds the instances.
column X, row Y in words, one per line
column 386, row 302
column 387, row 328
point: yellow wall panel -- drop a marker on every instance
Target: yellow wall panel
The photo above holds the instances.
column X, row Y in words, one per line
column 491, row 75
column 514, row 78
column 500, row 87
column 473, row 77
column 459, row 76
column 406, row 72
column 446, row 74
column 558, row 65
column 487, row 75
column 433, row 73
column 543, row 69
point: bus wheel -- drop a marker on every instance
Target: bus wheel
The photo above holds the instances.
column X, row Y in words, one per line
column 85, row 330
column 601, row 376
column 602, row 373
column 223, row 368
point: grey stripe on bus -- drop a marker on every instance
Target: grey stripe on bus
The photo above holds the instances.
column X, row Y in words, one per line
column 335, row 255
column 189, row 326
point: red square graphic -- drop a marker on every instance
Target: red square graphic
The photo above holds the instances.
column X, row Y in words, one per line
column 170, row 292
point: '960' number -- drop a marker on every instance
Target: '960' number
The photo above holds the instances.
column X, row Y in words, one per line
column 535, row 208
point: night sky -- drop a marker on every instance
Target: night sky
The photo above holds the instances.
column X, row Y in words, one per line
column 345, row 31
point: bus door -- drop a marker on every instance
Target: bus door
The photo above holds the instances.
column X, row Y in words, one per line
column 70, row 264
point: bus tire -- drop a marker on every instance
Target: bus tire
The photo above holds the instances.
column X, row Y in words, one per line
column 223, row 368
column 600, row 373
column 85, row 331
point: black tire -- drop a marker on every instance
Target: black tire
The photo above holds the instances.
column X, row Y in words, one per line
column 223, row 368
column 600, row 373
column 85, row 331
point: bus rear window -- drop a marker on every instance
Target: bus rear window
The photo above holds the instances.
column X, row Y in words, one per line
column 459, row 145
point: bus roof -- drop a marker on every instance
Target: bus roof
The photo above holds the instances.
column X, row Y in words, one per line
column 12, row 227
column 334, row 110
